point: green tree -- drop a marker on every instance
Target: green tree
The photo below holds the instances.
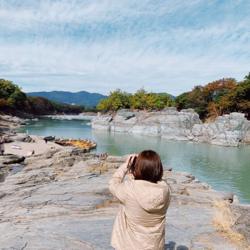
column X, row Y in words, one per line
column 14, row 101
column 247, row 77
column 194, row 99
column 7, row 88
column 17, row 98
column 155, row 101
column 139, row 100
column 116, row 100
column 11, row 94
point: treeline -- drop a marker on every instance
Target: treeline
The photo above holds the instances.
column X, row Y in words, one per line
column 140, row 100
column 218, row 98
column 209, row 101
column 14, row 101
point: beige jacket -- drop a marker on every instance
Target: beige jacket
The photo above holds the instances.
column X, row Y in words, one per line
column 140, row 222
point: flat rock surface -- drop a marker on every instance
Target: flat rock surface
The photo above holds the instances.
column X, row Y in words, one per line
column 21, row 148
column 60, row 200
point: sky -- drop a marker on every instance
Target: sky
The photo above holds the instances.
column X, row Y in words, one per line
column 101, row 45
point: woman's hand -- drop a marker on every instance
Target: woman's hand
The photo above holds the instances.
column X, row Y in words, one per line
column 130, row 159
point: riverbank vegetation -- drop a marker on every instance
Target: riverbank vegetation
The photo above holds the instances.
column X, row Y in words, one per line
column 140, row 100
column 217, row 98
column 14, row 101
column 209, row 101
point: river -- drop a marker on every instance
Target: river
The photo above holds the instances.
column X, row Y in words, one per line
column 224, row 168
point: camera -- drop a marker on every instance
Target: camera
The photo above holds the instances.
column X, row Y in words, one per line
column 131, row 164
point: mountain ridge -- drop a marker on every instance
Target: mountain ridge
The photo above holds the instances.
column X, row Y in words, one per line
column 84, row 98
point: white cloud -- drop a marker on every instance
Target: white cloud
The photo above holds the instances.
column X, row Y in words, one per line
column 102, row 45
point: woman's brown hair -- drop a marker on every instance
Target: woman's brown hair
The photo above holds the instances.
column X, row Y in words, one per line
column 148, row 167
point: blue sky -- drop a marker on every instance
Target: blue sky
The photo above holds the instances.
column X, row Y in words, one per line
column 101, row 45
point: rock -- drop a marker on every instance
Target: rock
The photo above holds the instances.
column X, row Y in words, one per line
column 3, row 175
column 19, row 137
column 2, row 195
column 228, row 197
column 168, row 123
column 102, row 122
column 10, row 159
column 9, row 122
column 227, row 130
column 11, row 119
column 116, row 159
column 246, row 138
column 70, row 188
column 242, row 223
column 125, row 114
column 50, row 153
column 170, row 110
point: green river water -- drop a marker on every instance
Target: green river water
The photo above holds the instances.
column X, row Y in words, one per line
column 224, row 168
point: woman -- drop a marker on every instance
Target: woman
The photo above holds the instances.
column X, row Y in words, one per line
column 144, row 198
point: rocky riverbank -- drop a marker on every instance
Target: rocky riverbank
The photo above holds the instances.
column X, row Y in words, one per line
column 59, row 199
column 82, row 116
column 227, row 130
column 9, row 123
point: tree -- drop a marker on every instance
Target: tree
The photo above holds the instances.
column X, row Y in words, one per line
column 7, row 88
column 247, row 77
column 17, row 98
column 116, row 100
column 156, row 101
column 208, row 101
column 13, row 100
column 238, row 99
column 139, row 100
column 194, row 99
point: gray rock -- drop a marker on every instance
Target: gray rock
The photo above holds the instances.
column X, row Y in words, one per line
column 10, row 159
column 8, row 123
column 102, row 122
column 126, row 114
column 21, row 137
column 168, row 123
column 56, row 206
column 227, row 130
column 242, row 223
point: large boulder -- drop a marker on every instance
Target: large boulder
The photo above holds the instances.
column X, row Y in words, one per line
column 177, row 125
column 168, row 123
column 102, row 122
column 123, row 121
column 226, row 130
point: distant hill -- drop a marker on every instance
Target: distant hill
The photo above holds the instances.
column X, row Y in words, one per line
column 79, row 98
column 15, row 102
column 164, row 93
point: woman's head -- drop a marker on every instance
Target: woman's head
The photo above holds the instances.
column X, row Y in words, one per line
column 148, row 166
